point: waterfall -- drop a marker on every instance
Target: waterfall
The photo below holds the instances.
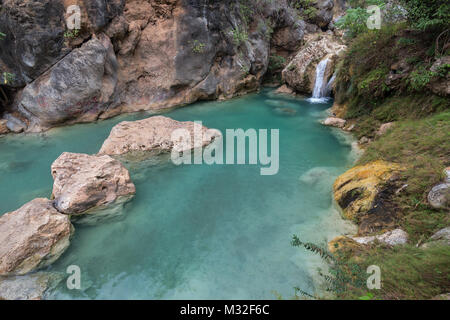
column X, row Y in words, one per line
column 320, row 87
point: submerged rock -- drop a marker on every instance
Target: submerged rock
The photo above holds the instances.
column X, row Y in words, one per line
column 392, row 238
column 140, row 140
column 364, row 194
column 284, row 89
column 90, row 188
column 32, row 237
column 28, row 287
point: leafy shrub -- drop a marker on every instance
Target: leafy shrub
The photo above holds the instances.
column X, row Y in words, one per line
column 240, row 36
column 342, row 273
column 276, row 63
column 71, row 34
column 198, row 47
column 420, row 78
column 427, row 14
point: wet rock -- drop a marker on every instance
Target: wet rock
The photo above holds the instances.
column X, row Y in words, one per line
column 300, row 73
column 28, row 287
column 3, row 127
column 77, row 89
column 140, row 140
column 334, row 122
column 284, row 89
column 90, row 188
column 14, row 124
column 32, row 237
column 365, row 195
column 392, row 238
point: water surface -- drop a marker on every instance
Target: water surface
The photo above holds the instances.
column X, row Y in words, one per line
column 198, row 232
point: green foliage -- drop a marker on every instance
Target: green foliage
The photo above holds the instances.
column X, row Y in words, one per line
column 240, row 36
column 71, row 34
column 428, row 14
column 198, row 47
column 342, row 274
column 407, row 272
column 306, row 8
column 2, row 35
column 404, row 42
column 354, row 22
column 7, row 77
column 420, row 78
column 423, row 146
column 276, row 63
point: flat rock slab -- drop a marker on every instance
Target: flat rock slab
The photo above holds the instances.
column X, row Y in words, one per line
column 32, row 237
column 140, row 140
column 89, row 187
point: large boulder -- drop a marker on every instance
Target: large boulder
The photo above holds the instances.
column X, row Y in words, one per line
column 34, row 38
column 300, row 73
column 77, row 89
column 32, row 237
column 365, row 195
column 28, row 287
column 90, row 188
column 324, row 13
column 140, row 140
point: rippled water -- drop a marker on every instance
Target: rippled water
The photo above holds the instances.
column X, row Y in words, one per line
column 198, row 232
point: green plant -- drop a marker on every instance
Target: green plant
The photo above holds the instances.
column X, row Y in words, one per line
column 343, row 274
column 2, row 35
column 306, row 8
column 198, row 47
column 354, row 22
column 240, row 36
column 71, row 34
column 428, row 14
column 420, row 78
column 404, row 42
column 276, row 63
column 7, row 77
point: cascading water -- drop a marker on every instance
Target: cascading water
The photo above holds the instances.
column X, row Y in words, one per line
column 320, row 87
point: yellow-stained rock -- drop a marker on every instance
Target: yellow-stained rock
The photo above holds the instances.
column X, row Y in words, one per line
column 343, row 243
column 355, row 191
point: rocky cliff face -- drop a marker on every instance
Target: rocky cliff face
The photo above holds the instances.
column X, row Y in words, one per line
column 132, row 55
